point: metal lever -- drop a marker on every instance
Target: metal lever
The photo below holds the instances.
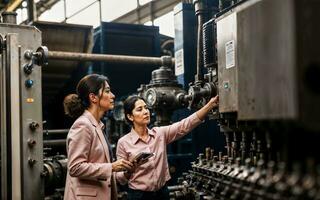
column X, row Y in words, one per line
column 40, row 57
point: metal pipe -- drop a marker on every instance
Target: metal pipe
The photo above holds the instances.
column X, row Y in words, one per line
column 59, row 142
column 176, row 187
column 32, row 11
column 119, row 59
column 200, row 14
column 65, row 10
column 3, row 122
column 199, row 48
column 55, row 131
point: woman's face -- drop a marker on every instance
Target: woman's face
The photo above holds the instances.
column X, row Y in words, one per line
column 140, row 113
column 106, row 98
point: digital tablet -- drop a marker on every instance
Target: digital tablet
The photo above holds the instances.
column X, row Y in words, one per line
column 143, row 156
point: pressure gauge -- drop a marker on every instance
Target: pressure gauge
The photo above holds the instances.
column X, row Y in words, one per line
column 151, row 97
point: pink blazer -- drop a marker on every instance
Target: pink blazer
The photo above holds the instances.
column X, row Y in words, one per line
column 89, row 167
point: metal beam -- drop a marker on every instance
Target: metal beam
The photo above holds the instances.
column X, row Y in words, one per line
column 44, row 5
column 54, row 143
column 55, row 131
column 13, row 5
column 32, row 11
column 148, row 11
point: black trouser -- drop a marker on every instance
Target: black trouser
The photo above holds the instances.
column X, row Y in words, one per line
column 162, row 194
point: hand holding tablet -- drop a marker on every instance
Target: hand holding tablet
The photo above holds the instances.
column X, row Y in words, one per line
column 142, row 156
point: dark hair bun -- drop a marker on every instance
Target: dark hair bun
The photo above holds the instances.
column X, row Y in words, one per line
column 72, row 106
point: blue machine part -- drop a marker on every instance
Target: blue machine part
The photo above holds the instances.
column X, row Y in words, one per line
column 126, row 39
column 185, row 43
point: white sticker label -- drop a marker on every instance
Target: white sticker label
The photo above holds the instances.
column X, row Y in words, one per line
column 179, row 62
column 230, row 54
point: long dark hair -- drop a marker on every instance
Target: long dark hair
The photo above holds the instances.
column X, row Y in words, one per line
column 128, row 106
column 75, row 104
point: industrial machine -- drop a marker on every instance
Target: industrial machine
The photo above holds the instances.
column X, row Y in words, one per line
column 260, row 56
column 263, row 58
column 21, row 111
column 29, row 168
column 163, row 93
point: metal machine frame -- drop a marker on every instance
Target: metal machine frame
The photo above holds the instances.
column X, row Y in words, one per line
column 21, row 115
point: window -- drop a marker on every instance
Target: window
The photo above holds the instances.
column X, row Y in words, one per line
column 112, row 9
column 166, row 24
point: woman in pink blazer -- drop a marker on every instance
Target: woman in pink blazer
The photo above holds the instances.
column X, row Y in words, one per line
column 147, row 180
column 90, row 167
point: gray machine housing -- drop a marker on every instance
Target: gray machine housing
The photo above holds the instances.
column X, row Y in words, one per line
column 254, row 44
column 21, row 115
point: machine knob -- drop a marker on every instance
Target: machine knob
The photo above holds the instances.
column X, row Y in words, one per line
column 29, row 83
column 31, row 142
column 31, row 161
column 28, row 68
column 34, row 125
column 41, row 56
